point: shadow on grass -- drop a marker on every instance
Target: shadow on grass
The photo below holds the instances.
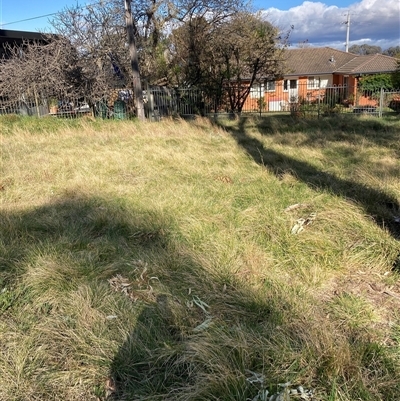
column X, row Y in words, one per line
column 198, row 332
column 380, row 206
column 72, row 224
column 346, row 127
column 189, row 339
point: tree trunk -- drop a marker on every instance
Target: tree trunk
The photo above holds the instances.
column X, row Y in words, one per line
column 137, row 86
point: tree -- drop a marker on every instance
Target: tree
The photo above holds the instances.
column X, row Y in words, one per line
column 374, row 83
column 158, row 17
column 248, row 52
column 396, row 75
column 137, row 85
column 40, row 70
column 190, row 47
column 365, row 49
column 99, row 34
column 231, row 54
column 393, row 51
column 106, row 37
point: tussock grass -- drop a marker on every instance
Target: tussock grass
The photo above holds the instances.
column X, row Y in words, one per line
column 155, row 261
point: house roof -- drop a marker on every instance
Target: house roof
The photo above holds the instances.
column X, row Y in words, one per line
column 18, row 38
column 370, row 64
column 325, row 60
column 9, row 36
column 315, row 60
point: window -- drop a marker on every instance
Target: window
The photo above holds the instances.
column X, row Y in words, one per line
column 317, row 82
column 323, row 83
column 313, row 83
column 292, row 84
column 270, row 86
column 257, row 91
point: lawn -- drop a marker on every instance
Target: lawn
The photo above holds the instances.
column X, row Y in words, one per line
column 200, row 260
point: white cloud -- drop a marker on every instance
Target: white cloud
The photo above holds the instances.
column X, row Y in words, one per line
column 376, row 22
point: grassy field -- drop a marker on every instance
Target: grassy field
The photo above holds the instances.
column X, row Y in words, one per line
column 200, row 261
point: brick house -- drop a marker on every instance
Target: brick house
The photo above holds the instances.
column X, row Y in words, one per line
column 312, row 73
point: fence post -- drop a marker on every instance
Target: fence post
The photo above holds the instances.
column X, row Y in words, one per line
column 36, row 101
column 150, row 102
column 381, row 102
column 319, row 98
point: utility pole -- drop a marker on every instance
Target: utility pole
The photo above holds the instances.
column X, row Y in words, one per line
column 137, row 86
column 348, row 32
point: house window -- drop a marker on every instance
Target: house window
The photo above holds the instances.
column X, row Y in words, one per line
column 317, row 82
column 289, row 84
column 270, row 86
column 257, row 91
column 313, row 82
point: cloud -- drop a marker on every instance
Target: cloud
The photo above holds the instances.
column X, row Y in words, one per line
column 319, row 24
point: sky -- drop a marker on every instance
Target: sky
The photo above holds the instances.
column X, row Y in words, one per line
column 317, row 23
column 323, row 23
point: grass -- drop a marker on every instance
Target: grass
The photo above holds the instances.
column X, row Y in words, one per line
column 156, row 261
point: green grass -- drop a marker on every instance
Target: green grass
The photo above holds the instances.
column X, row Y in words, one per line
column 156, row 261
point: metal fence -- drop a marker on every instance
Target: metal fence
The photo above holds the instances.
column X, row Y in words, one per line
column 60, row 106
column 303, row 100
column 390, row 100
column 118, row 104
column 300, row 100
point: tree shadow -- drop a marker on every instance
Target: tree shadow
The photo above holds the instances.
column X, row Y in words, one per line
column 381, row 206
column 71, row 224
column 348, row 127
column 178, row 299
column 198, row 334
column 191, row 341
column 97, row 239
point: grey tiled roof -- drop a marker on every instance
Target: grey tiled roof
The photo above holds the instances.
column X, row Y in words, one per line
column 369, row 64
column 325, row 60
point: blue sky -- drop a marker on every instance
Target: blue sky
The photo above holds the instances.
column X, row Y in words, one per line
column 319, row 23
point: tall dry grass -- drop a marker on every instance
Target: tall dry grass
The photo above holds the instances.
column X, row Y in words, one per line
column 156, row 261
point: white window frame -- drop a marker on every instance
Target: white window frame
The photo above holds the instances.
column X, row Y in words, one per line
column 313, row 82
column 318, row 82
column 257, row 90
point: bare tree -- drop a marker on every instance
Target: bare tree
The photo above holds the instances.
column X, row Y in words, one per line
column 98, row 33
column 40, row 70
column 89, row 55
column 98, row 30
column 108, row 40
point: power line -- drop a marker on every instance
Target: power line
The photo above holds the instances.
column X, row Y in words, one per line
column 48, row 15
column 29, row 19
